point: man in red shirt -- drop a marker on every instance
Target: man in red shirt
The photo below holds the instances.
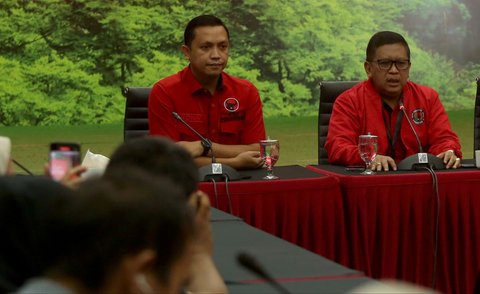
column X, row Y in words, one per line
column 374, row 106
column 223, row 108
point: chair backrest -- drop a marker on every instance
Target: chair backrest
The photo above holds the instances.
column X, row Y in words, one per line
column 476, row 127
column 329, row 91
column 135, row 123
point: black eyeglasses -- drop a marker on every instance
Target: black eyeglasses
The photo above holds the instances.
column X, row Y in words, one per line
column 386, row 64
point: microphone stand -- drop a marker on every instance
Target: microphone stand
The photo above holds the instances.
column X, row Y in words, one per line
column 419, row 160
column 215, row 171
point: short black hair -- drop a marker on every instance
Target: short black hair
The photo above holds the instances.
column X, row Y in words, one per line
column 25, row 203
column 109, row 219
column 201, row 21
column 385, row 38
column 158, row 156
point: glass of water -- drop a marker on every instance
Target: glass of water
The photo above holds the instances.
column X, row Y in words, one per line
column 367, row 148
column 270, row 152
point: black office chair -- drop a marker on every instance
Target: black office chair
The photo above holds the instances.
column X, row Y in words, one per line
column 476, row 126
column 135, row 123
column 329, row 91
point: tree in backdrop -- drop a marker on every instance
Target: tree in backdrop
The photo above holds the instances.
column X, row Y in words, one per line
column 65, row 61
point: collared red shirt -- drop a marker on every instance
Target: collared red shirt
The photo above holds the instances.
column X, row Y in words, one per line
column 232, row 115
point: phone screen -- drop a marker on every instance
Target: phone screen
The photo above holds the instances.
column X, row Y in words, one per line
column 62, row 158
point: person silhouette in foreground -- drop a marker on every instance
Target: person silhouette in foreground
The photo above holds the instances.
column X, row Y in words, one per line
column 161, row 157
column 26, row 202
column 125, row 234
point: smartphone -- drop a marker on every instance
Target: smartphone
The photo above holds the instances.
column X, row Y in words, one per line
column 62, row 157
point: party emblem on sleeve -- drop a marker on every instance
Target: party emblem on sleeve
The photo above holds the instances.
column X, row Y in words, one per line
column 418, row 116
column 231, row 104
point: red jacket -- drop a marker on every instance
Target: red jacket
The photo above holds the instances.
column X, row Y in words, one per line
column 358, row 111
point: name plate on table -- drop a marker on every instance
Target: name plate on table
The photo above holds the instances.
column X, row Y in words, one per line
column 422, row 158
column 217, row 169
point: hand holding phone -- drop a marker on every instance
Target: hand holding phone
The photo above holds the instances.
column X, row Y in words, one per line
column 62, row 158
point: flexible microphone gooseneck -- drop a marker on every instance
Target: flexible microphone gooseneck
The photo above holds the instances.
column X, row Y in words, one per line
column 22, row 167
column 421, row 159
column 215, row 171
column 402, row 108
column 432, row 163
column 249, row 262
column 205, row 141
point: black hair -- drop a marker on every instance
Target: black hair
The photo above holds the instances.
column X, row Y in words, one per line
column 158, row 156
column 109, row 219
column 384, row 38
column 25, row 203
column 201, row 21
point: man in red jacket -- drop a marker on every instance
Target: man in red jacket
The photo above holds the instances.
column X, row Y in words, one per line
column 223, row 108
column 373, row 106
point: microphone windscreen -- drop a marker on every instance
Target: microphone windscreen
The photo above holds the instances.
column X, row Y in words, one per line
column 249, row 262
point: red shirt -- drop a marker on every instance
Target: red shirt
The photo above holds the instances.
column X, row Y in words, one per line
column 232, row 115
column 358, row 111
column 396, row 149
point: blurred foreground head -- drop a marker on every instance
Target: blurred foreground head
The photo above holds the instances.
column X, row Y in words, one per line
column 159, row 157
column 125, row 234
column 25, row 205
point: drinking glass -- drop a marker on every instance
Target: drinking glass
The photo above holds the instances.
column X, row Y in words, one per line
column 367, row 148
column 270, row 152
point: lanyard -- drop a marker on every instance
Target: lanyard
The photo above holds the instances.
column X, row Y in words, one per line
column 398, row 124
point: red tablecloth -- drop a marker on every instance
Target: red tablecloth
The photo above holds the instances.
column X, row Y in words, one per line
column 391, row 221
column 307, row 211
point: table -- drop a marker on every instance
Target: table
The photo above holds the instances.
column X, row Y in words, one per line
column 296, row 269
column 302, row 207
column 391, row 222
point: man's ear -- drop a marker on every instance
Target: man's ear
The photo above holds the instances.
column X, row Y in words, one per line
column 186, row 51
column 368, row 68
column 143, row 260
column 137, row 265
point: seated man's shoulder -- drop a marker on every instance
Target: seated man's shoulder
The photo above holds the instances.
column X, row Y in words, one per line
column 227, row 78
column 171, row 80
column 421, row 89
column 354, row 92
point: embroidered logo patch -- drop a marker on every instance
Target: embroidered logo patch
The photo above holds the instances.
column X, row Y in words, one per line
column 231, row 104
column 418, row 116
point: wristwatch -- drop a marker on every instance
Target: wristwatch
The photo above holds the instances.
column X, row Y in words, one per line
column 207, row 146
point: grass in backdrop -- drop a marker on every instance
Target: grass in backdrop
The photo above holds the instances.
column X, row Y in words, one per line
column 297, row 135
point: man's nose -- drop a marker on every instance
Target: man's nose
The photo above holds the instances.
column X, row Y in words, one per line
column 215, row 53
column 394, row 68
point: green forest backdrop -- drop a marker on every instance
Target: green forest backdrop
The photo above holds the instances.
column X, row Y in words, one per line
column 65, row 61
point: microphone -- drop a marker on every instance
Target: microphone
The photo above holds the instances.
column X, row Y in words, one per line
column 250, row 263
column 22, row 167
column 215, row 171
column 402, row 108
column 205, row 142
column 421, row 159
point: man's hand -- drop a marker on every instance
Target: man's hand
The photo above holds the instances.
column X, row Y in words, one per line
column 200, row 203
column 204, row 275
column 382, row 162
column 249, row 159
column 195, row 148
column 450, row 159
column 72, row 178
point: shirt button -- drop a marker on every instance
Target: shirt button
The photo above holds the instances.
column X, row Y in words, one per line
column 213, row 132
column 213, row 105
